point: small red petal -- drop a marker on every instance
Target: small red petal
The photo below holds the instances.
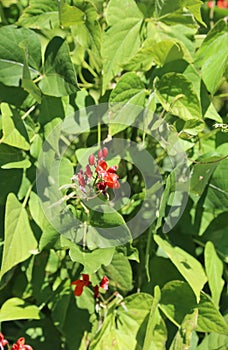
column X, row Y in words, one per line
column 79, row 289
column 96, row 292
column 104, row 283
column 210, row 4
column 75, row 282
column 111, row 180
column 101, row 167
column 85, row 277
column 112, row 184
column 101, row 186
column 27, row 347
column 112, row 169
column 21, row 341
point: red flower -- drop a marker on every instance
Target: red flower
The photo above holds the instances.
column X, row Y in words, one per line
column 80, row 284
column 222, row 3
column 111, row 180
column 108, row 175
column 3, row 341
column 20, row 345
column 104, row 283
column 101, row 167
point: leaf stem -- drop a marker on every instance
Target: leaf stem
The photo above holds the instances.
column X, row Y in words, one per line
column 27, row 195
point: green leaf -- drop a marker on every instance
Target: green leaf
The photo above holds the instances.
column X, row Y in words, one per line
column 52, row 134
column 202, row 173
column 91, row 261
column 85, row 28
column 122, row 39
column 50, row 108
column 23, row 164
column 164, row 7
column 18, row 309
column 210, row 319
column 59, row 77
column 102, row 218
column 66, row 171
column 178, row 32
column 177, row 301
column 27, row 82
column 128, row 329
column 183, row 336
column 40, row 14
column 20, row 242
column 217, row 193
column 162, row 271
column 212, row 57
column 159, row 53
column 119, row 271
column 12, row 54
column 10, row 180
column 176, row 94
column 14, row 131
column 156, row 333
column 188, row 266
column 9, row 154
column 36, row 146
column 49, row 234
column 129, row 91
column 216, row 232
column 71, row 15
column 41, row 329
column 127, row 87
column 195, row 8
column 214, row 341
column 75, row 313
column 214, row 270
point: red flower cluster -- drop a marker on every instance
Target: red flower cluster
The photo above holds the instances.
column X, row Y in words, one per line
column 85, row 282
column 220, row 3
column 19, row 345
column 102, row 177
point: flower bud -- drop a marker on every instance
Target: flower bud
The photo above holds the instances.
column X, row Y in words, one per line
column 88, row 171
column 105, row 152
column 81, row 180
column 100, row 154
column 91, row 159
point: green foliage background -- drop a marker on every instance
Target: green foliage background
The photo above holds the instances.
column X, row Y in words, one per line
column 170, row 56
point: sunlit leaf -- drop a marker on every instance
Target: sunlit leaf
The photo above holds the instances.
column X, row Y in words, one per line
column 18, row 309
column 20, row 242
